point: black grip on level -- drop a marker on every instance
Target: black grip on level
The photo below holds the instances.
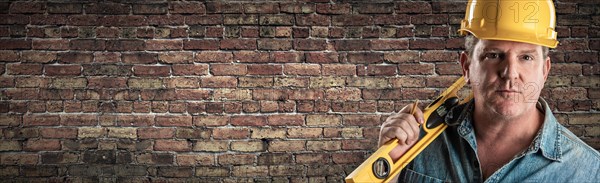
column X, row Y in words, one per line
column 437, row 117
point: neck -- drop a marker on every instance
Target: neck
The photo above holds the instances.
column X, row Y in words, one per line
column 517, row 130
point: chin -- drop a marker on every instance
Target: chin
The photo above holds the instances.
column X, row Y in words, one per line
column 507, row 107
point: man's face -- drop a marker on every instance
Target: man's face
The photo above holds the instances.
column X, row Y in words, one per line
column 506, row 77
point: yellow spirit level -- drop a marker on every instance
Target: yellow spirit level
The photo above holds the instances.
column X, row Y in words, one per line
column 380, row 167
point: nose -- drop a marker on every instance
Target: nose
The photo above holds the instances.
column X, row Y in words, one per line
column 509, row 68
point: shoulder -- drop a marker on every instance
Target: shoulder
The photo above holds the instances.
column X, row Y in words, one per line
column 573, row 148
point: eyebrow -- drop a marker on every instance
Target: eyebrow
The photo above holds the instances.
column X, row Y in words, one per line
column 498, row 50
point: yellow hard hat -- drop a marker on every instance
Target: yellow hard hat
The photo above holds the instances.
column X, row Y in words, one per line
column 528, row 21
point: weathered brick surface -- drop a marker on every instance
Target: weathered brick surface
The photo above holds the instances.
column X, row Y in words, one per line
column 244, row 91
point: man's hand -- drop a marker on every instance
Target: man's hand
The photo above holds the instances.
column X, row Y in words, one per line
column 402, row 126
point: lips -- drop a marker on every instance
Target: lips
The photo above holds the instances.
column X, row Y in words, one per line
column 508, row 91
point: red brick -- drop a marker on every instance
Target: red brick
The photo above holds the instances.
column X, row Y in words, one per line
column 310, row 45
column 261, row 8
column 57, row 133
column 27, row 7
column 379, row 8
column 139, row 58
column 565, row 69
column 348, row 157
column 582, row 57
column 24, row 69
column 240, row 19
column 351, row 20
column 78, row 120
column 343, row 94
column 389, row 44
column 172, row 145
column 381, row 70
column 228, row 69
column 192, row 94
column 176, row 57
column 251, row 56
column 135, row 120
column 248, row 121
column 219, row 82
column 285, row 120
column 107, row 57
column 223, row 7
column 306, row 94
column 145, row 9
column 9, row 56
column 63, row 70
column 572, row 44
column 365, row 58
column 439, row 56
column 50, row 44
column 41, row 120
column 143, row 70
column 413, row 7
column 402, row 56
column 87, row 44
column 230, row 133
column 312, row 158
column 415, row 69
column 103, row 82
column 333, row 8
column 297, row 8
column 302, row 69
column 448, row 69
column 312, row 20
column 204, row 20
column 174, row 120
column 14, row 19
column 41, row 145
column 187, row 7
column 122, row 20
column 161, row 45
column 352, row 45
column 274, row 44
column 64, row 8
column 125, row 45
column 107, row 8
column 190, row 69
column 427, row 44
column 269, row 94
column 287, row 57
column 212, row 56
column 238, row 44
column 48, row 19
column 203, row 44
column 339, row 69
column 429, row 19
column 275, row 20
column 261, row 69
column 287, row 145
column 389, row 19
column 15, row 44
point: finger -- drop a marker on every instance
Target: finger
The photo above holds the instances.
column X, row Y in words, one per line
column 419, row 116
column 401, row 135
column 407, row 128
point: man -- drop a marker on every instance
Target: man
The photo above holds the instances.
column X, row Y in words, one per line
column 507, row 133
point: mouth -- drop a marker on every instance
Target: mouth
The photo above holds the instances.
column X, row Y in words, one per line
column 508, row 92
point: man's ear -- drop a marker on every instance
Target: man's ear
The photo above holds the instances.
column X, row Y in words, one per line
column 547, row 65
column 464, row 64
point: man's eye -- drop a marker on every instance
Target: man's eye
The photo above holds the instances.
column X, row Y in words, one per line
column 492, row 55
column 527, row 57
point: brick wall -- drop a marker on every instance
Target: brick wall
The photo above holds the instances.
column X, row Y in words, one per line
column 273, row 91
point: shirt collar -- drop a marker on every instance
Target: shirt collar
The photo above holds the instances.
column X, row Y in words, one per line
column 547, row 138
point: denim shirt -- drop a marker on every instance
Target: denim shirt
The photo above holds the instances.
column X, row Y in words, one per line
column 555, row 155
